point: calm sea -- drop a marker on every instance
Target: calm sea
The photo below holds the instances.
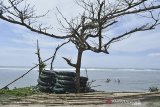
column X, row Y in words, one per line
column 138, row 80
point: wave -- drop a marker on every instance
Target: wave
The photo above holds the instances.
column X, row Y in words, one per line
column 15, row 68
column 83, row 69
column 139, row 70
column 122, row 69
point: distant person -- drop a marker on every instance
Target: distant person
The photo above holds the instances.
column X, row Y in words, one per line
column 118, row 81
column 108, row 80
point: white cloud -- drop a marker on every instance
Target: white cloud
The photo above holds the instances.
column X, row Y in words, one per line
column 67, row 7
column 138, row 42
column 154, row 54
column 27, row 38
column 32, row 39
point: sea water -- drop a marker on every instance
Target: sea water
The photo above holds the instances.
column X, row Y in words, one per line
column 121, row 79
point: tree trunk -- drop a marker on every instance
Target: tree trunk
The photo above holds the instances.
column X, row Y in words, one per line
column 78, row 66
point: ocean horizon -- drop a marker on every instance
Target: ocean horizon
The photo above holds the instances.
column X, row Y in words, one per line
column 82, row 68
column 131, row 79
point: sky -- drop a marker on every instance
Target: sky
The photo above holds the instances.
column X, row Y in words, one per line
column 18, row 44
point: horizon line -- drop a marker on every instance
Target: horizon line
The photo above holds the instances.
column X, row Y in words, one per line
column 83, row 67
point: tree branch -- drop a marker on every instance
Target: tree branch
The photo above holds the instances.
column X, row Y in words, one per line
column 25, row 17
column 54, row 55
column 39, row 57
column 142, row 28
column 69, row 62
column 107, row 17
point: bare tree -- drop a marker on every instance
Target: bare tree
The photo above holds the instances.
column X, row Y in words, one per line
column 88, row 30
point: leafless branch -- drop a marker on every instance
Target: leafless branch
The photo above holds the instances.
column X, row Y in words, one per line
column 55, row 52
column 69, row 62
column 25, row 17
column 99, row 16
column 39, row 57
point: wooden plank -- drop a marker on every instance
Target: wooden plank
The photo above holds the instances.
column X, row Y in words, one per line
column 86, row 103
column 77, row 99
column 84, row 100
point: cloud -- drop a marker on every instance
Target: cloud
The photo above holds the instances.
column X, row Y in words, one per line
column 29, row 39
column 24, row 42
column 24, row 37
column 67, row 7
column 138, row 42
column 154, row 54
